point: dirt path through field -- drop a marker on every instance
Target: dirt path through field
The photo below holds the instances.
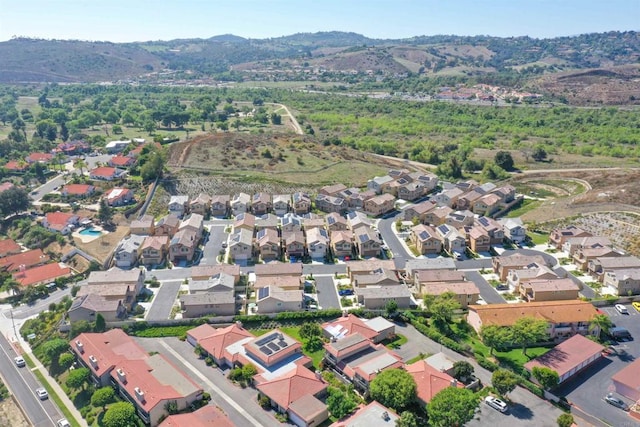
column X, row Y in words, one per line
column 296, row 126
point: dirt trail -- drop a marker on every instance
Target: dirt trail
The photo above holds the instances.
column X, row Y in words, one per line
column 296, row 126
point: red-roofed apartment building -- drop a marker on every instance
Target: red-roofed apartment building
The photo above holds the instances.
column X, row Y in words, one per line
column 121, row 161
column 429, row 380
column 627, row 381
column 148, row 382
column 23, row 260
column 297, row 394
column 217, row 342
column 9, row 247
column 39, row 158
column 60, row 222
column 43, row 274
column 78, row 190
column 104, row 173
column 207, row 416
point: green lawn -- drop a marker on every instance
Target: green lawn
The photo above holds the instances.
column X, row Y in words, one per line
column 511, row 357
column 523, row 207
column 538, row 238
column 396, row 342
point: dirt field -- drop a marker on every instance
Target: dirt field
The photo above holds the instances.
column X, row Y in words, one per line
column 101, row 247
column 10, row 415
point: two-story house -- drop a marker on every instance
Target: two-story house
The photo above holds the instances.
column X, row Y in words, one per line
column 261, row 203
column 220, row 206
column 426, row 239
column 128, row 250
column 178, row 205
column 367, row 242
column 317, row 243
column 342, row 243
column 201, row 205
column 153, row 250
column 294, row 244
column 281, row 204
column 301, row 203
column 240, row 203
column 380, row 205
column 144, row 226
column 183, row 245
column 241, row 245
column 268, row 244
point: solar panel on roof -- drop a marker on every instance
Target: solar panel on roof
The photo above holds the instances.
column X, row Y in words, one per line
column 263, row 293
column 265, row 350
column 283, row 344
column 424, row 235
column 273, row 346
column 484, row 221
column 261, row 233
column 443, row 228
column 363, row 238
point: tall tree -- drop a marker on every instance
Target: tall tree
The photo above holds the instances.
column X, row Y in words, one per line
column 452, row 407
column 442, row 307
column 105, row 213
column 394, row 388
column 339, row 403
column 310, row 329
column 504, row 160
column 462, row 370
column 102, row 397
column 546, row 377
column 407, row 419
column 602, row 322
column 78, row 378
column 100, row 325
column 120, row 414
column 495, row 336
column 528, row 331
column 504, row 381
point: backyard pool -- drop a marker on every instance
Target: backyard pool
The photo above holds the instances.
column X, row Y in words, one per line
column 90, row 232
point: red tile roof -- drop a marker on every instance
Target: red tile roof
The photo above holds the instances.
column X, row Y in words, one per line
column 77, row 189
column 216, row 343
column 42, row 274
column 39, row 157
column 28, row 259
column 103, row 171
column 292, row 386
column 206, row 416
column 429, row 380
column 8, row 246
column 6, row 186
column 567, row 355
column 351, row 324
column 16, row 166
column 59, row 219
column 629, row 376
column 121, row 161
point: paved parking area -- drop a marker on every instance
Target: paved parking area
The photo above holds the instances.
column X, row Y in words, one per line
column 164, row 299
column 525, row 410
column 588, row 390
column 213, row 246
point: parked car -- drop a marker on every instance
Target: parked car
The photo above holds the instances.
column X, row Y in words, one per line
column 621, row 309
column 42, row 393
column 345, row 292
column 20, row 363
column 63, row 423
column 618, row 403
column 636, row 305
column 496, row 403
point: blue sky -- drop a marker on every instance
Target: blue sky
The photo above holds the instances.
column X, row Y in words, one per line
column 140, row 20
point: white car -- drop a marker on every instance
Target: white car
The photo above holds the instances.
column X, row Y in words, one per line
column 496, row 403
column 621, row 309
column 20, row 363
column 42, row 393
column 63, row 423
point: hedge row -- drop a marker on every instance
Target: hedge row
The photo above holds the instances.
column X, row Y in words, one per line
column 291, row 315
column 440, row 338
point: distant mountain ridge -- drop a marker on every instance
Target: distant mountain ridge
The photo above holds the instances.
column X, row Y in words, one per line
column 35, row 60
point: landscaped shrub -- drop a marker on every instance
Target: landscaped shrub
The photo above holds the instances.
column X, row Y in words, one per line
column 486, row 363
column 264, row 401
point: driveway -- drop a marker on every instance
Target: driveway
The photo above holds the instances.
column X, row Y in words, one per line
column 239, row 404
column 585, row 290
column 327, row 293
column 164, row 300
column 586, row 391
column 399, row 251
column 212, row 248
column 488, row 293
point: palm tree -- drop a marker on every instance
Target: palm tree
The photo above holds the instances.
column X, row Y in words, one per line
column 602, row 322
column 80, row 164
column 59, row 159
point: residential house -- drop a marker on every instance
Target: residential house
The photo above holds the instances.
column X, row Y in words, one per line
column 297, row 393
column 293, row 244
column 275, row 300
column 479, row 240
column 240, row 203
column 119, row 196
column 6, row 186
column 287, row 283
column 16, row 166
column 268, row 243
column 428, row 180
column 559, row 236
column 380, row 277
column 143, row 226
column 429, row 380
column 371, row 415
column 573, row 244
column 448, row 198
column 23, row 260
column 201, row 205
column 357, row 219
column 78, row 190
column 570, row 358
column 199, row 304
column 9, row 247
column 134, row 277
column 397, row 174
column 246, row 221
column 114, row 147
column 122, row 162
column 178, row 205
column 204, row 272
column 452, row 240
column 301, row 203
column 367, row 242
column 412, row 266
column 465, row 292
column 241, row 245
column 220, row 205
column 74, row 147
column 421, row 278
column 261, row 204
column 281, row 204
column 278, row 269
column 379, row 183
column 39, row 158
column 104, row 173
column 437, row 216
column 599, row 266
column 193, row 222
column 626, row 381
column 377, row 297
column 566, row 318
column 150, row 383
column 60, row 222
column 581, row 257
column 503, row 264
column 269, row 221
column 533, row 271
column 154, row 250
column 355, row 268
column 183, row 245
column 377, row 329
column 426, row 239
column 290, row 223
column 466, row 201
column 549, row 290
column 380, row 205
column 118, row 292
column 411, row 191
column 332, row 190
column 317, row 243
column 491, row 226
column 459, row 219
column 314, row 222
column 514, row 229
column 283, row 349
column 331, row 204
column 217, row 342
column 342, row 243
column 42, row 274
column 128, row 250
column 167, row 226
column 624, row 282
column 88, row 306
column 336, row 222
column 507, row 193
column 419, row 211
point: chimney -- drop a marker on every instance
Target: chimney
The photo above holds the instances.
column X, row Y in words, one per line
column 454, row 383
column 93, row 361
column 239, row 324
column 385, row 416
column 80, row 346
column 122, row 376
column 139, row 394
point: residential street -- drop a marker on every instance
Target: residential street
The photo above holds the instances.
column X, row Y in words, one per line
column 164, row 299
column 327, row 293
column 487, row 292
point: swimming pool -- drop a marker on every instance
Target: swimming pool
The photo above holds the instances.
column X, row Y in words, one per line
column 91, row 232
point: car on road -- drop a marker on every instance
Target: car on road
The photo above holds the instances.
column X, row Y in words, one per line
column 496, row 403
column 42, row 393
column 63, row 423
column 618, row 403
column 621, row 309
column 636, row 305
column 224, row 245
column 20, row 363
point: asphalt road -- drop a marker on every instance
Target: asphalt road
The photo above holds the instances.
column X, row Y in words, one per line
column 23, row 384
column 488, row 293
column 327, row 293
column 25, row 311
column 214, row 245
column 585, row 290
column 165, row 298
column 400, row 253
